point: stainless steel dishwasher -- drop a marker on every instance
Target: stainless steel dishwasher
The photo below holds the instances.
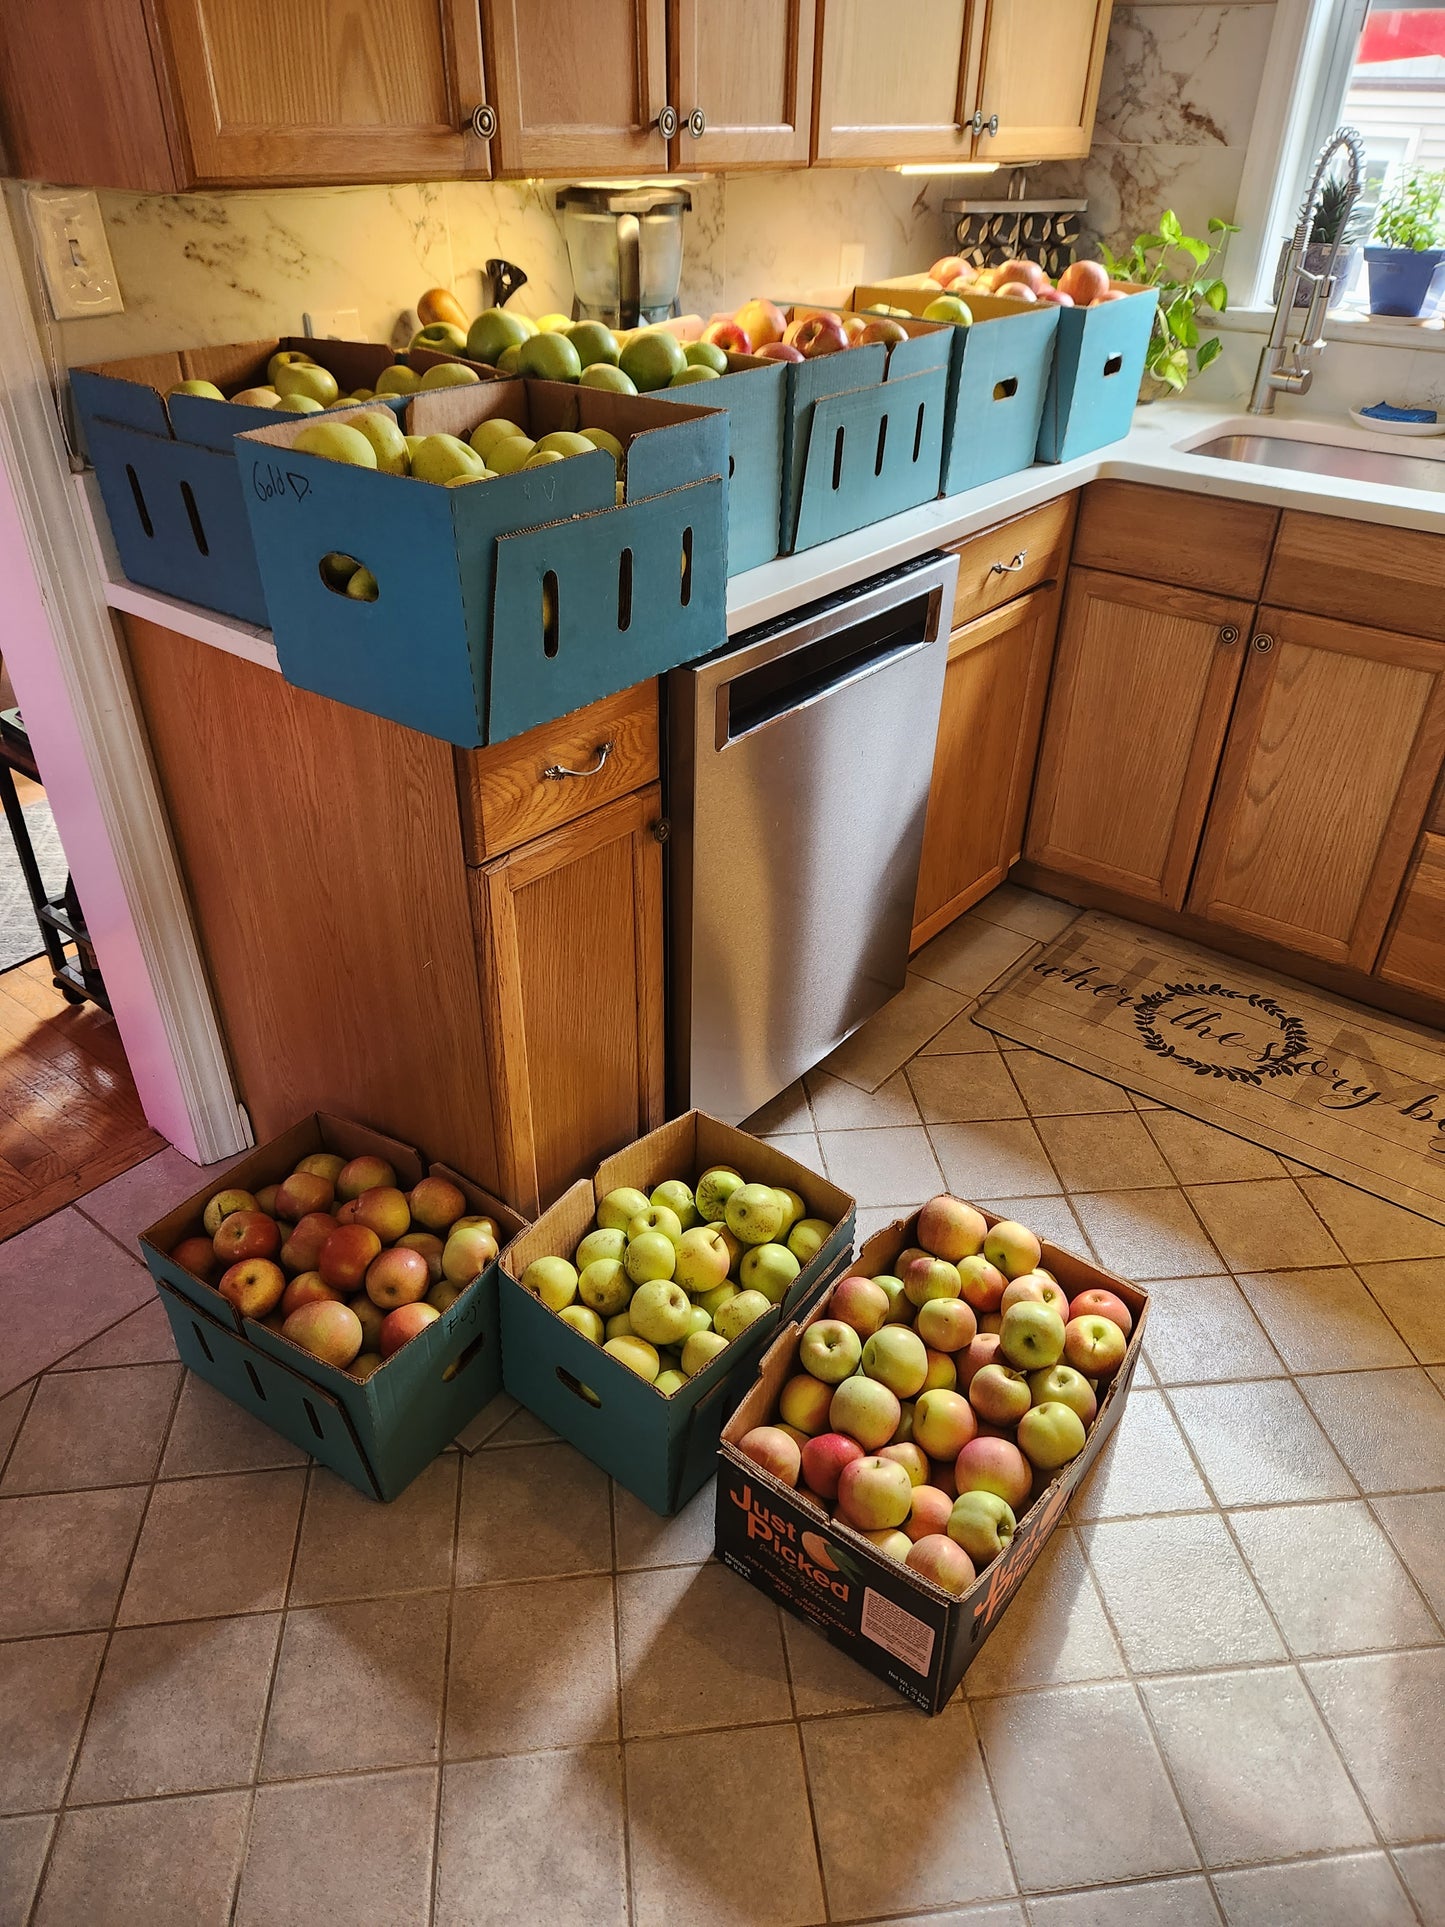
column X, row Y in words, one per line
column 798, row 763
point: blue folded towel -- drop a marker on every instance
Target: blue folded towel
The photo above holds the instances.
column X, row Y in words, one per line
column 1384, row 411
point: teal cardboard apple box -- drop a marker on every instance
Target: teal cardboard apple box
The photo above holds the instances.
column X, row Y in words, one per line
column 660, row 1447
column 912, row 1633
column 378, row 1433
column 502, row 603
column 998, row 378
column 167, row 467
column 1098, row 366
column 863, row 438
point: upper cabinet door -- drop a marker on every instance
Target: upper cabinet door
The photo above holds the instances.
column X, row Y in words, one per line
column 744, row 82
column 1041, row 65
column 340, row 90
column 896, row 84
column 1334, row 749
column 578, row 89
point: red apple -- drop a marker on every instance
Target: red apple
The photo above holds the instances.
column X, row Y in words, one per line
column 308, row 1288
column 931, row 1509
column 363, row 1174
column 1094, row 1346
column 1000, row 1395
column 305, row 1239
column 778, row 351
column 947, row 269
column 1051, row 297
column 980, row 1283
column 301, row 1193
column 823, row 1460
column 1097, row 1303
column 343, row 1259
column 1025, row 272
column 858, row 1302
column 402, row 1325
column 1015, row 291
column 328, row 1330
column 266, row 1201
column 1084, row 282
column 246, row 1234
column 951, row 1229
column 254, row 1286
column 882, row 328
column 817, row 334
column 940, row 1559
column 982, row 1350
column 761, row 321
column 774, row 1450
column 436, row 1204
column 197, row 1256
column 397, row 1277
column 728, row 336
column 997, row 1466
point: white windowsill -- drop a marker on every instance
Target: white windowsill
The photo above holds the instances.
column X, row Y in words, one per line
column 1362, row 330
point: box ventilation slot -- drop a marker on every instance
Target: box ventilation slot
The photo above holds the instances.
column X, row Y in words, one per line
column 882, row 445
column 551, row 618
column 197, row 530
column 315, row 1422
column 624, row 590
column 918, row 430
column 686, row 566
column 1006, row 390
column 837, row 459
column 201, row 1341
column 140, row 501
column 256, row 1386
column 579, row 1390
column 1113, row 364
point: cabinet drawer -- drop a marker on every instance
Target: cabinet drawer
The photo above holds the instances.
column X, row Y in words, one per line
column 1164, row 535
column 507, row 798
column 1414, row 953
column 1360, row 572
column 1009, row 560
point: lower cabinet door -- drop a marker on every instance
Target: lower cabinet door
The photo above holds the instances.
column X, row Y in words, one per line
column 1334, row 749
column 1142, row 689
column 988, row 734
column 570, row 945
column 1414, row 952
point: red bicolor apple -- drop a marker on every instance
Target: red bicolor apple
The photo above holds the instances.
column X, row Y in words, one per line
column 864, row 1409
column 399, row 1327
column 997, row 1466
column 861, row 1303
column 824, row 1458
column 246, row 1234
column 1031, row 1337
column 874, row 1494
column 345, row 1256
column 805, row 1402
column 255, row 1286
column 301, row 1193
column 944, row 1561
column 911, row 1456
column 982, row 1350
column 1103, row 1304
column 930, row 1512
column 1094, row 1346
column 327, row 1329
column 925, row 1277
column 943, row 1423
column 197, row 1256
column 761, row 321
column 951, row 1229
column 947, row 1324
column 1065, row 1386
column 306, row 1288
column 999, row 1395
column 774, row 1450
column 898, row 1358
column 399, row 1276
column 980, row 1283
column 1012, row 1247
column 982, row 1523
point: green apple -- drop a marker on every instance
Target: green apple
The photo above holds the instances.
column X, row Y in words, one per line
column 669, row 1382
column 299, row 405
column 549, row 357
column 1031, row 1337
column 582, row 1319
column 636, row 1354
column 596, row 344
column 510, row 454
column 494, row 331
column 381, row 429
column 807, row 1238
column 619, row 1207
column 563, row 442
column 689, row 377
column 604, row 1286
column 698, row 1321
column 754, row 1213
column 651, row 358
column 286, row 358
column 449, row 374
column 706, row 354
column 305, row 378
column 398, row 380
column 336, row 442
column 485, row 436
column 656, row 1217
column 770, row 1269
column 552, row 1280
column 744, row 1308
column 1050, row 1435
column 600, row 1244
column 443, row 336
column 554, row 323
column 542, row 458
column 900, row 1305
column 601, row 374
column 897, row 1358
column 794, row 1210
column 948, row 307
column 509, row 361
column 672, row 1192
column 713, row 1301
column 362, row 586
column 600, row 438
column 1013, row 1248
column 619, row 1325
column 703, row 1259
column 337, row 570
column 983, row 1524
column 700, row 1350
column 651, row 1256
column 440, row 458
column 661, row 1312
column 830, row 1350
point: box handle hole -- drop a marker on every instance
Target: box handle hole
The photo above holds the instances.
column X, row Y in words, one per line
column 195, row 514
column 882, row 444
column 918, row 431
column 315, row 1422
column 201, row 1341
column 464, row 1358
column 1113, row 364
column 686, row 567
column 838, row 459
column 256, row 1386
column 340, row 574
column 551, row 618
column 732, row 468
column 624, row 590
column 1006, row 390
column 140, row 501
column 575, row 1385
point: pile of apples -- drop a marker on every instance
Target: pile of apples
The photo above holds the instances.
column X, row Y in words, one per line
column 339, row 1260
column 761, row 328
column 297, row 385
column 663, row 1284
column 933, row 1403
column 1083, row 284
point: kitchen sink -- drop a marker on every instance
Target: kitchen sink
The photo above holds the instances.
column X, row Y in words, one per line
column 1383, row 468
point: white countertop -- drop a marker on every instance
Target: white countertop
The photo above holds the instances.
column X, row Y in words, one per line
column 1157, row 450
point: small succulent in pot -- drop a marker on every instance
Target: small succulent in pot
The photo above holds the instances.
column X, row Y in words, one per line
column 1336, row 217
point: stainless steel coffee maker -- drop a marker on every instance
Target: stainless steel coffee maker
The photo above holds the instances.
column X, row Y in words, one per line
column 625, row 246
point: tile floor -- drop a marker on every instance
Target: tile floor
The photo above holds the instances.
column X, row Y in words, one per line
column 232, row 1690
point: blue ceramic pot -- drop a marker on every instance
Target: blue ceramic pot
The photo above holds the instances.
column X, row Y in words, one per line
column 1405, row 281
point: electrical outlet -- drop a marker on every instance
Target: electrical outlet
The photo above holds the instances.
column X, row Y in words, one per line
column 74, row 253
column 850, row 264
column 335, row 324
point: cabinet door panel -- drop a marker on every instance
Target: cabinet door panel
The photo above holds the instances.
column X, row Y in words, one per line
column 358, row 90
column 570, row 936
column 1414, row 952
column 988, row 733
column 748, row 65
column 578, row 89
column 1137, row 714
column 1041, row 66
column 896, row 88
column 1332, row 755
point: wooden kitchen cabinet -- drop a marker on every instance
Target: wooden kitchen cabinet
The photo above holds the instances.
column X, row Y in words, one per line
column 1332, row 755
column 988, row 733
column 578, row 90
column 1414, row 952
column 1144, row 679
column 1042, row 60
column 745, row 66
column 569, row 937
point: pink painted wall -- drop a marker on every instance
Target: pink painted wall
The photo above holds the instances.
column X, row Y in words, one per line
column 30, row 656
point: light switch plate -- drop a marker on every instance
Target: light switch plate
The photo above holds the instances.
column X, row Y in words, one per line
column 74, row 253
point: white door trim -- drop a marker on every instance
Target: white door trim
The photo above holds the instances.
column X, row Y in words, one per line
column 70, row 676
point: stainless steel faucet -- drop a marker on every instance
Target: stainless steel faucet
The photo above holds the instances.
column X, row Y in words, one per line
column 1285, row 367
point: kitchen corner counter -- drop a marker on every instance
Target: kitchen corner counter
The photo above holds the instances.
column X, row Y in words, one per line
column 1157, row 450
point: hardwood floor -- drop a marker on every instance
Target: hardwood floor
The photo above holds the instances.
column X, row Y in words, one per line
column 69, row 1115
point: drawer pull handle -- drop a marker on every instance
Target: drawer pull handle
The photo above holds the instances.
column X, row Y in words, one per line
column 1264, row 644
column 666, row 122
column 1228, row 634
column 697, row 123
column 1009, row 568
column 483, row 122
column 554, row 772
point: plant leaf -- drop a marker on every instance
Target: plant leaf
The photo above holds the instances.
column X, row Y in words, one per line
column 1182, row 325
column 1169, row 227
column 1216, row 226
column 1216, row 295
column 1199, row 250
column 1209, row 351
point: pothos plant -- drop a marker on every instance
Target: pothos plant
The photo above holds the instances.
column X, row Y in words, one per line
column 1183, row 270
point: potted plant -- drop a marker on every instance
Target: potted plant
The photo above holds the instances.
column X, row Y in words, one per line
column 1334, row 219
column 1181, row 268
column 1406, row 258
